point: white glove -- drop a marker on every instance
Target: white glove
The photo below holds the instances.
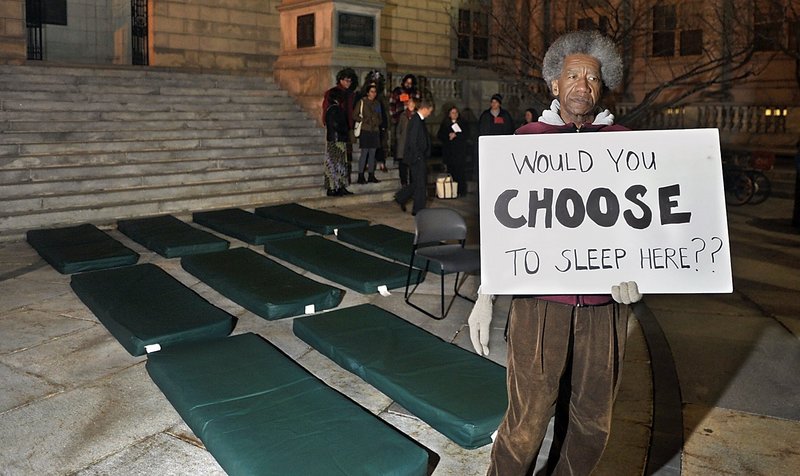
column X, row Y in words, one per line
column 479, row 320
column 626, row 292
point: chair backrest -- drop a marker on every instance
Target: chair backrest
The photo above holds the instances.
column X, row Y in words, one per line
column 439, row 224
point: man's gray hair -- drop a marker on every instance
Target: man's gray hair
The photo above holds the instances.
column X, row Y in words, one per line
column 591, row 43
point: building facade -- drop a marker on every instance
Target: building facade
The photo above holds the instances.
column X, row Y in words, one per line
column 728, row 64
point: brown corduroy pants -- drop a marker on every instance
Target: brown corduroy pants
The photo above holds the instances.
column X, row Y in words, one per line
column 565, row 356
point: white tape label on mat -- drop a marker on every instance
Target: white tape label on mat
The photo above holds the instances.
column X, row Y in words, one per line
column 336, row 232
column 152, row 348
column 310, row 309
column 384, row 290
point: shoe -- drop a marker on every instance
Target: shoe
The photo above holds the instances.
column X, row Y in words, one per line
column 345, row 191
column 402, row 205
column 361, row 179
column 331, row 192
column 372, row 179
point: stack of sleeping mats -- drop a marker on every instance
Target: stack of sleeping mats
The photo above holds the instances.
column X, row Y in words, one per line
column 359, row 271
column 80, row 248
column 318, row 221
column 382, row 240
column 146, row 309
column 259, row 413
column 170, row 237
column 246, row 226
column 261, row 285
column 459, row 393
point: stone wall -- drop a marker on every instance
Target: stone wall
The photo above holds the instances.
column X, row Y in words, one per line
column 215, row 34
column 12, row 31
column 416, row 36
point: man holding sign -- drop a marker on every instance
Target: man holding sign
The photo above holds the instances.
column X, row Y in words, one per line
column 563, row 350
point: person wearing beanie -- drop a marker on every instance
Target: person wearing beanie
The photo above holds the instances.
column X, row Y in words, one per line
column 495, row 121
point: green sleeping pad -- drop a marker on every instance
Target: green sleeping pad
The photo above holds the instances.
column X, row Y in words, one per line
column 259, row 413
column 459, row 393
column 383, row 240
column 80, row 248
column 341, row 264
column 318, row 221
column 170, row 237
column 246, row 226
column 143, row 305
column 261, row 285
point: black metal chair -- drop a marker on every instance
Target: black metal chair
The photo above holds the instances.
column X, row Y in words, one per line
column 439, row 239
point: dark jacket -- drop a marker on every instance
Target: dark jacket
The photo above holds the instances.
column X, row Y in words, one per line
column 489, row 125
column 544, row 128
column 336, row 124
column 456, row 149
column 418, row 142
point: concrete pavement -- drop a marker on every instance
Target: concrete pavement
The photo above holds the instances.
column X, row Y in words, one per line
column 73, row 401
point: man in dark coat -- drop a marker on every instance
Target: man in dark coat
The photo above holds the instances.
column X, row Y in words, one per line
column 417, row 151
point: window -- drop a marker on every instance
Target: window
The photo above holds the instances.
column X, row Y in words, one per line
column 671, row 29
column 665, row 22
column 691, row 42
column 305, row 31
column 473, row 35
column 767, row 27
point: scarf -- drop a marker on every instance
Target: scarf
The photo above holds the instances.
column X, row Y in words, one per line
column 553, row 116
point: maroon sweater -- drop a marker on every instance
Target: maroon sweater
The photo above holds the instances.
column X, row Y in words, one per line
column 544, row 128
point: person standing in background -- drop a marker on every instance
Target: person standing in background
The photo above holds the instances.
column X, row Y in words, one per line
column 337, row 137
column 453, row 136
column 346, row 83
column 368, row 112
column 495, row 120
column 530, row 116
column 400, row 141
column 417, row 151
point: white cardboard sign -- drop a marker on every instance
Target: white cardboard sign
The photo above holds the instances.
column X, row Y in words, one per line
column 577, row 213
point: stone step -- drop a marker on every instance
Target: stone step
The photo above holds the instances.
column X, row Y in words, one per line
column 84, row 171
column 47, row 73
column 14, row 226
column 163, row 193
column 66, row 106
column 155, row 178
column 101, row 115
column 154, row 134
column 127, row 99
column 167, row 144
column 243, row 155
column 290, row 121
column 7, row 85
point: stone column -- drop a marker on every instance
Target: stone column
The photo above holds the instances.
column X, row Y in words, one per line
column 321, row 37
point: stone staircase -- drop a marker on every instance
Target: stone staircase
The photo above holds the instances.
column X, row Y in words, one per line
column 96, row 144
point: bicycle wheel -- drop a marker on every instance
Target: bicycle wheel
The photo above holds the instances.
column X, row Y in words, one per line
column 762, row 187
column 738, row 188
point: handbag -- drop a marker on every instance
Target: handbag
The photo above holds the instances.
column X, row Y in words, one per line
column 357, row 127
column 446, row 187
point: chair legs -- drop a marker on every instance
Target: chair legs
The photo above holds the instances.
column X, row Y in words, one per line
column 445, row 310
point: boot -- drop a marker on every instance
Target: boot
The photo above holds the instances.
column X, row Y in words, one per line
column 361, row 179
column 372, row 179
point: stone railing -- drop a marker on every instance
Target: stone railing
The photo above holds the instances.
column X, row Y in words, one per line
column 728, row 118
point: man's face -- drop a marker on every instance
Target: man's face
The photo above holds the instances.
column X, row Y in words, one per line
column 408, row 83
column 495, row 105
column 425, row 111
column 345, row 82
column 579, row 87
